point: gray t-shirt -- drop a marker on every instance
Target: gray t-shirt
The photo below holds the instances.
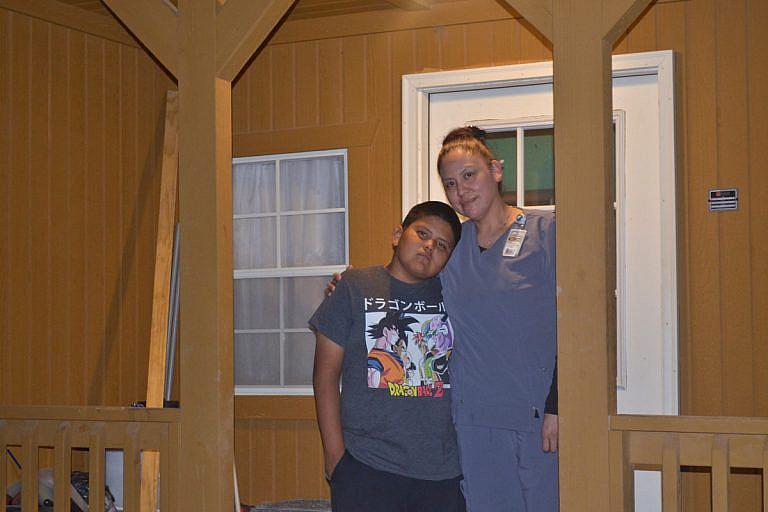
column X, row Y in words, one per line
column 395, row 399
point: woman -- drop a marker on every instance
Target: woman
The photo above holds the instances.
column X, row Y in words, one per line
column 499, row 288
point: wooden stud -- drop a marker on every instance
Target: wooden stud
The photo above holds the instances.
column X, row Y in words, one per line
column 721, row 470
column 536, row 12
column 131, row 470
column 154, row 23
column 671, row 489
column 62, row 468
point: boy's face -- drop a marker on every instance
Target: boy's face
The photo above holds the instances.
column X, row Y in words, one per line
column 422, row 249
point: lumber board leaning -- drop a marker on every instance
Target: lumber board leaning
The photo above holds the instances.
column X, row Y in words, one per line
column 161, row 294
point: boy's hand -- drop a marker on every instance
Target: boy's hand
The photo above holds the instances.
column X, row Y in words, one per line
column 331, row 461
column 549, row 432
column 331, row 286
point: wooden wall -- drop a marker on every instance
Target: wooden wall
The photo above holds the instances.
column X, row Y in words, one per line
column 80, row 137
column 294, row 92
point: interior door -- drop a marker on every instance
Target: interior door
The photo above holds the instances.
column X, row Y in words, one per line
column 647, row 382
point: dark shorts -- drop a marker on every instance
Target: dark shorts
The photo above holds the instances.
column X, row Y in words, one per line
column 356, row 487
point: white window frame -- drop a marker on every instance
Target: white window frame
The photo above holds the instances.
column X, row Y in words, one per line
column 289, row 390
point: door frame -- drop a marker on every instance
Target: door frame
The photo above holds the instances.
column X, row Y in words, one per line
column 416, row 89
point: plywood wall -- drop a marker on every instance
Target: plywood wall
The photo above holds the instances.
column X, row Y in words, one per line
column 291, row 90
column 80, row 137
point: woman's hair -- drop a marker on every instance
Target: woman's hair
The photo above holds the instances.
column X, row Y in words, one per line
column 435, row 209
column 468, row 138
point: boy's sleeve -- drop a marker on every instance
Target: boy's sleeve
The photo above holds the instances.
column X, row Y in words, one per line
column 333, row 318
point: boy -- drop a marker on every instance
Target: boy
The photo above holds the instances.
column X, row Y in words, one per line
column 388, row 439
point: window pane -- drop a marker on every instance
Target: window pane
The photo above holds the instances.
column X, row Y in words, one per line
column 257, row 303
column 299, row 357
column 257, row 359
column 254, row 243
column 503, row 144
column 312, row 240
column 302, row 296
column 312, row 183
column 253, row 188
column 539, row 166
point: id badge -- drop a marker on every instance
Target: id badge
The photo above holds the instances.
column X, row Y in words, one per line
column 515, row 239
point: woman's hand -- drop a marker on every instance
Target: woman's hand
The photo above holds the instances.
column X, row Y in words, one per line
column 549, row 433
column 331, row 286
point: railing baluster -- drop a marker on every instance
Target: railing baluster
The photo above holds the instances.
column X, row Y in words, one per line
column 3, row 457
column 29, row 468
column 96, row 464
column 671, row 500
column 62, row 463
column 131, row 468
column 765, row 474
column 622, row 475
column 721, row 470
column 165, row 469
column 174, row 447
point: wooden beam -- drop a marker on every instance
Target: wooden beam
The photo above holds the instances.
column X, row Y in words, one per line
column 536, row 12
column 154, row 23
column 440, row 14
column 205, row 221
column 242, row 26
column 158, row 335
column 68, row 16
column 620, row 14
column 409, row 5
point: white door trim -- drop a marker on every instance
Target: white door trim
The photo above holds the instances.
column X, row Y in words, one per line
column 415, row 160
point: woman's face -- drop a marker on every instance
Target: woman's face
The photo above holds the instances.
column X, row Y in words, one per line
column 470, row 183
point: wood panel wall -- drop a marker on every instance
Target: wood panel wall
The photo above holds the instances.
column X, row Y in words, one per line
column 292, row 92
column 80, row 141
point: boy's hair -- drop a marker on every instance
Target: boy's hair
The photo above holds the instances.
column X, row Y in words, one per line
column 392, row 320
column 435, row 209
column 469, row 138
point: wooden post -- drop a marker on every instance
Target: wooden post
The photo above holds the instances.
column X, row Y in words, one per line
column 204, row 44
column 582, row 33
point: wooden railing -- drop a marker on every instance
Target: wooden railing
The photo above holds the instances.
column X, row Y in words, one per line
column 666, row 443
column 72, row 430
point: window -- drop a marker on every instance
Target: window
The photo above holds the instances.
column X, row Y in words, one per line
column 528, row 147
column 289, row 235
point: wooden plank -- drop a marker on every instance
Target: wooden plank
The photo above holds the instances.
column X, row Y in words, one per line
column 154, row 24
column 306, row 86
column 671, row 490
column 82, row 413
column 76, row 222
column 354, row 86
column 242, row 26
column 62, row 469
column 60, row 145
column 379, row 21
column 427, row 48
column 409, row 5
column 68, row 16
column 452, row 48
column 6, row 131
column 330, row 65
column 642, row 34
column 19, row 207
column 736, row 282
column 692, row 424
column 161, row 290
column 4, row 463
column 283, row 104
column 622, row 474
column 765, row 472
column 703, row 273
column 506, row 42
column 305, row 139
column 479, row 43
column 260, row 91
column 757, row 65
column 38, row 338
column 721, row 470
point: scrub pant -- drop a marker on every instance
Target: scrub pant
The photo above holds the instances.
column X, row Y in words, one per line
column 506, row 471
column 357, row 487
